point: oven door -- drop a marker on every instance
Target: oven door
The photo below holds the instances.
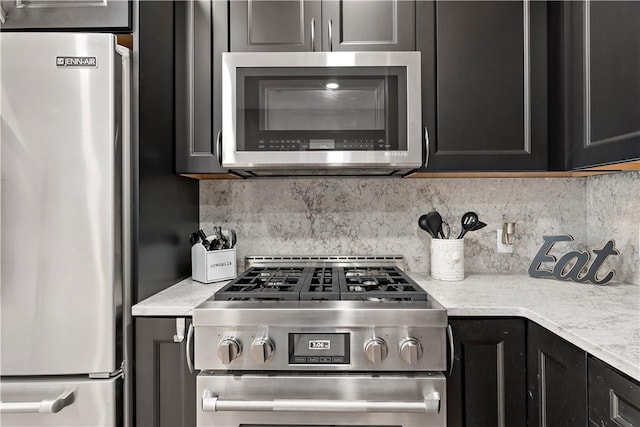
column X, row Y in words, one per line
column 318, row 109
column 321, row 400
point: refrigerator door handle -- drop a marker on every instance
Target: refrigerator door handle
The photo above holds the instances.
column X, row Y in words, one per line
column 46, row 406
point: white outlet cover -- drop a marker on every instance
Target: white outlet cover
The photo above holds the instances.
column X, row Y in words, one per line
column 502, row 248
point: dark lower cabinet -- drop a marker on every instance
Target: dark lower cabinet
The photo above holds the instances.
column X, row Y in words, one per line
column 165, row 390
column 557, row 380
column 487, row 385
column 512, row 372
column 614, row 399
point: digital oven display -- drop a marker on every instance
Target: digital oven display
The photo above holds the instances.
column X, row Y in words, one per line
column 319, row 345
column 322, row 349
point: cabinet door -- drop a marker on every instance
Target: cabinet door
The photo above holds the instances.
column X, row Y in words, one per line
column 485, row 84
column 165, row 389
column 604, row 82
column 557, row 380
column 614, row 399
column 112, row 15
column 275, row 25
column 488, row 382
column 200, row 38
column 369, row 25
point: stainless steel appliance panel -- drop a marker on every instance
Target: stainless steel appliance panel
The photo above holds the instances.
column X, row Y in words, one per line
column 433, row 348
column 70, row 402
column 295, row 400
column 61, row 228
column 232, row 157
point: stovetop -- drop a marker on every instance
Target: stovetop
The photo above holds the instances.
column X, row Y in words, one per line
column 317, row 314
column 325, row 281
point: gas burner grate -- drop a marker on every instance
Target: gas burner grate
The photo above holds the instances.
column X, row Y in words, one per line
column 321, row 284
column 378, row 284
column 264, row 284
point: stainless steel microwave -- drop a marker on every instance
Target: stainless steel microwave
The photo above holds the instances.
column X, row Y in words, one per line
column 321, row 113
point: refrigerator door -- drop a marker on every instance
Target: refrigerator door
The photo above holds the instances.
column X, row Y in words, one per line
column 72, row 402
column 61, row 221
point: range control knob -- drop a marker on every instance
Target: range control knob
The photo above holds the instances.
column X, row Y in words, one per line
column 228, row 350
column 262, row 349
column 410, row 350
column 375, row 350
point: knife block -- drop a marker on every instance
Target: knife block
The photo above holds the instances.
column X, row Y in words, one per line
column 212, row 266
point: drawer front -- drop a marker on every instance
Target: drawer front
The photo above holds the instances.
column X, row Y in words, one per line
column 614, row 400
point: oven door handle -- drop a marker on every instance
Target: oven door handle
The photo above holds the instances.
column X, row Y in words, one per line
column 212, row 403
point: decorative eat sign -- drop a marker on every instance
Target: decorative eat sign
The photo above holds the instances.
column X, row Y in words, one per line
column 581, row 260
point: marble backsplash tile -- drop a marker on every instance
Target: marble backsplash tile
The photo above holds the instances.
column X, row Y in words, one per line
column 379, row 216
column 613, row 213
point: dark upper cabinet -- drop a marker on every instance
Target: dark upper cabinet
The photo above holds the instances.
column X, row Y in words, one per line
column 273, row 26
column 484, row 84
column 557, row 380
column 165, row 389
column 352, row 25
column 200, row 38
column 86, row 15
column 487, row 385
column 603, row 81
column 310, row 25
column 614, row 399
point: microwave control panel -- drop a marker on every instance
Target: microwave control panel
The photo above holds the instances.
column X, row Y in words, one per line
column 355, row 144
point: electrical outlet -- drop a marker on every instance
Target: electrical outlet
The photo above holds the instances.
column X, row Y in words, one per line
column 502, row 248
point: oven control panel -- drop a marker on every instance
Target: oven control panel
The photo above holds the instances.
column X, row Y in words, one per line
column 318, row 349
column 313, row 348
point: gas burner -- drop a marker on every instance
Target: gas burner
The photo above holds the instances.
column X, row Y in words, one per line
column 264, row 284
column 366, row 272
column 384, row 299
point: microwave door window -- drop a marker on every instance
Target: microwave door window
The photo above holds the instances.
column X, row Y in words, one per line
column 321, row 109
column 321, row 105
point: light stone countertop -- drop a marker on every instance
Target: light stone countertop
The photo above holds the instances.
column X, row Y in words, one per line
column 177, row 300
column 602, row 320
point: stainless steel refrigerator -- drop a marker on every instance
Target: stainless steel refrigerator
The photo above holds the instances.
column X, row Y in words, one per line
column 65, row 214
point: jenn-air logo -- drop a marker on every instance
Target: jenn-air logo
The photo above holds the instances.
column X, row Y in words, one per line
column 76, row 61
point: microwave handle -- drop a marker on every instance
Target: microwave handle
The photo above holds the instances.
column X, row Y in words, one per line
column 426, row 146
column 313, row 34
column 219, row 146
column 330, row 35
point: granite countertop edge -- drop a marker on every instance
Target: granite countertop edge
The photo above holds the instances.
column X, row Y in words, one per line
column 557, row 309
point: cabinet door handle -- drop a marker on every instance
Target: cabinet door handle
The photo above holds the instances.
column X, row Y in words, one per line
column 426, row 146
column 219, row 146
column 47, row 406
column 179, row 336
column 330, row 35
column 189, row 355
column 313, row 34
column 452, row 358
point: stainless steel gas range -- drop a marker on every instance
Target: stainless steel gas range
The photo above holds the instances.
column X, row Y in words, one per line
column 321, row 341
